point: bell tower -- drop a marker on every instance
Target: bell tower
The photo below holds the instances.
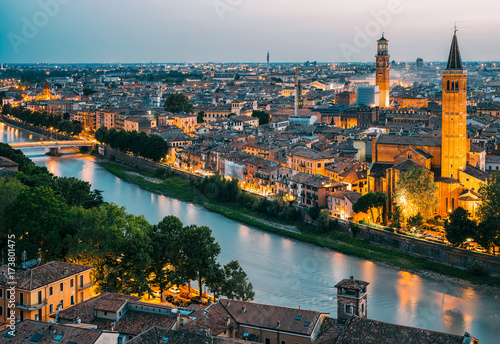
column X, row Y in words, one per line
column 46, row 91
column 454, row 115
column 382, row 70
column 352, row 299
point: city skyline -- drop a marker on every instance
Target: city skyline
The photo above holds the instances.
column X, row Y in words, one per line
column 65, row 31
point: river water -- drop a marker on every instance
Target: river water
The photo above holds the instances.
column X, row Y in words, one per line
column 290, row 273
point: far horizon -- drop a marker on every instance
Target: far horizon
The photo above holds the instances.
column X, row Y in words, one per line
column 222, row 30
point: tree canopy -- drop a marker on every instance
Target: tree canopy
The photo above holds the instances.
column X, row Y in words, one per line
column 370, row 201
column 263, row 116
column 416, row 193
column 178, row 103
column 459, row 227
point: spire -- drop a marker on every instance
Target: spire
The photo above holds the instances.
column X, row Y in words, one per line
column 454, row 60
column 382, row 38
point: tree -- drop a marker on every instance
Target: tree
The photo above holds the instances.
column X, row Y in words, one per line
column 490, row 198
column 199, row 251
column 416, row 193
column 236, row 285
column 10, row 188
column 314, row 211
column 73, row 190
column 166, row 260
column 178, row 103
column 416, row 221
column 263, row 116
column 100, row 134
column 370, row 201
column 488, row 233
column 459, row 227
column 325, row 223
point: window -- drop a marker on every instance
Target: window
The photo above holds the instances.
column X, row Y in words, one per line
column 51, row 308
column 283, row 342
column 71, row 283
column 1, row 290
column 81, row 281
column 51, row 291
column 267, row 341
column 62, row 304
column 363, row 308
column 348, row 309
column 61, row 287
column 1, row 311
column 72, row 301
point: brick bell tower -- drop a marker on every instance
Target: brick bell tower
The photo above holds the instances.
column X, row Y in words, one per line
column 382, row 71
column 352, row 299
column 454, row 115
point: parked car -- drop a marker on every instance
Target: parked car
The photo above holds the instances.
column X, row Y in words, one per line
column 174, row 290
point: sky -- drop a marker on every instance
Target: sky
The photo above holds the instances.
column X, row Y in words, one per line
column 168, row 31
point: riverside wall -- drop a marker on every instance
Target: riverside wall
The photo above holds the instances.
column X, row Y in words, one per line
column 433, row 251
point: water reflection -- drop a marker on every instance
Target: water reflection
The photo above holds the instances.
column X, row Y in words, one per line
column 290, row 273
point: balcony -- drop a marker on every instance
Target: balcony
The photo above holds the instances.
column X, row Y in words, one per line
column 86, row 286
column 32, row 306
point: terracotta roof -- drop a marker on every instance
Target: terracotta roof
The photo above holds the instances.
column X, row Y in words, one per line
column 475, row 173
column 26, row 330
column 377, row 169
column 86, row 310
column 407, row 165
column 329, row 332
column 291, row 320
column 4, row 162
column 366, row 331
column 46, row 274
column 409, row 140
column 135, row 322
column 157, row 335
column 351, row 283
column 214, row 318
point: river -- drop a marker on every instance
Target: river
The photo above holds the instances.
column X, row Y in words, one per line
column 290, row 273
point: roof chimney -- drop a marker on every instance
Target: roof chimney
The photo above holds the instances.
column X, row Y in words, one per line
column 243, row 309
column 278, row 325
column 352, row 277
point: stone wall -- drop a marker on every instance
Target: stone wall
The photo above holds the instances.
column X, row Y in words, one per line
column 49, row 134
column 440, row 253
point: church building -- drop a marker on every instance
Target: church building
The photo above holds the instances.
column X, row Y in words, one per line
column 457, row 165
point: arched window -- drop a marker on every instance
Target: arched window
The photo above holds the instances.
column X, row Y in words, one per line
column 448, row 86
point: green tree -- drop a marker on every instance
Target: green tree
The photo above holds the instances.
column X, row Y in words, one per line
column 166, row 260
column 100, row 134
column 314, row 211
column 10, row 188
column 199, row 251
column 178, row 103
column 369, row 202
column 263, row 116
column 73, row 190
column 460, row 227
column 325, row 223
column 416, row 193
column 488, row 233
column 489, row 205
column 236, row 285
column 416, row 221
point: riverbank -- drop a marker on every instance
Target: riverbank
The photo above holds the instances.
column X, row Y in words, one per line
column 181, row 189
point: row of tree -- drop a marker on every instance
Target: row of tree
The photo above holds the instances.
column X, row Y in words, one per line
column 151, row 147
column 63, row 219
column 44, row 119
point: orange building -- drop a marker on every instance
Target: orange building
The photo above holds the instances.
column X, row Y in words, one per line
column 456, row 170
column 382, row 71
column 309, row 161
column 186, row 122
column 41, row 288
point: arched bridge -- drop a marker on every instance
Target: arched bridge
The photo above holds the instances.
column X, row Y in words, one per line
column 52, row 144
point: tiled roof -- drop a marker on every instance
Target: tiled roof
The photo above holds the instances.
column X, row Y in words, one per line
column 476, row 173
column 366, row 331
column 46, row 274
column 157, row 335
column 86, row 309
column 329, row 332
column 292, row 320
column 135, row 322
column 4, row 162
column 351, row 283
column 27, row 329
column 214, row 318
column 406, row 165
column 377, row 169
column 409, row 140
